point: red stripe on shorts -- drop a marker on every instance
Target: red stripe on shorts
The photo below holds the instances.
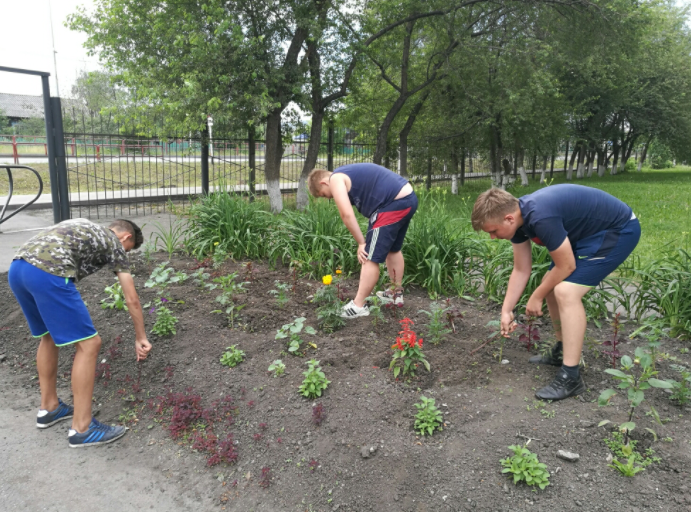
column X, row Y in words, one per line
column 387, row 218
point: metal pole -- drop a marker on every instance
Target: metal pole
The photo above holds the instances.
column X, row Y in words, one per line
column 59, row 137
column 55, row 60
column 50, row 142
column 251, row 148
column 205, row 160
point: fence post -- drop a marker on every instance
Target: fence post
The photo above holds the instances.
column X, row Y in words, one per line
column 330, row 148
column 551, row 167
column 251, row 149
column 205, row 160
column 15, row 152
column 59, row 138
column 50, row 149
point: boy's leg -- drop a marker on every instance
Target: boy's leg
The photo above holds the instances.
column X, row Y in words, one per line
column 555, row 356
column 369, row 275
column 395, row 266
column 569, row 298
column 47, row 366
column 83, row 377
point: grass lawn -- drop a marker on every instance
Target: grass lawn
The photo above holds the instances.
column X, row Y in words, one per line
column 660, row 199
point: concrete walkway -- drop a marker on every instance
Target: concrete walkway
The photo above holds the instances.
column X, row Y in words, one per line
column 28, row 223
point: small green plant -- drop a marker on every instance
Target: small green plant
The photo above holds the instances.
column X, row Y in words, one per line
column 621, row 449
column 162, row 276
column 525, row 467
column 165, row 322
column 115, row 299
column 315, row 382
column 652, row 330
column 375, row 311
column 281, row 293
column 292, row 331
column 428, row 417
column 277, row 367
column 629, row 469
column 232, row 357
column 640, row 376
column 495, row 327
column 681, row 391
column 331, row 303
column 436, row 329
column 231, row 312
column 200, row 277
column 228, row 287
column 170, row 238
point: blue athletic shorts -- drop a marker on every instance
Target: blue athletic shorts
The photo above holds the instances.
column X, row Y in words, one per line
column 51, row 304
column 388, row 226
column 600, row 254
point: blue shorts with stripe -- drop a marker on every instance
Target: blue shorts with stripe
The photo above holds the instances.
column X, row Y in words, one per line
column 388, row 226
column 600, row 254
column 51, row 304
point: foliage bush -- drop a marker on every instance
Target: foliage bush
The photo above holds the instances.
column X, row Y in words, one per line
column 524, row 467
column 230, row 224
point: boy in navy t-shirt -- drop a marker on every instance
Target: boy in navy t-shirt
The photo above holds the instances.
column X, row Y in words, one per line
column 388, row 201
column 588, row 234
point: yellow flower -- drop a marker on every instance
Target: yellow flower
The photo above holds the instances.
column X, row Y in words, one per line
column 327, row 279
column 215, row 243
column 338, row 271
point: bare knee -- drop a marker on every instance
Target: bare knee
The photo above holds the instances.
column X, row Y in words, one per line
column 566, row 295
column 90, row 347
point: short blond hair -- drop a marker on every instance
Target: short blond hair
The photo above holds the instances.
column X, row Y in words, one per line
column 491, row 205
column 314, row 178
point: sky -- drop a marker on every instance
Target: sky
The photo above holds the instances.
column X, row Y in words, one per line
column 26, row 43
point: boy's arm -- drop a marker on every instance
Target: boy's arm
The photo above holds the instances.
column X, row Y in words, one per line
column 564, row 265
column 339, row 191
column 142, row 345
column 522, row 266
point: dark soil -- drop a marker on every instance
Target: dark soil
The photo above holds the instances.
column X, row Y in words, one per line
column 365, row 456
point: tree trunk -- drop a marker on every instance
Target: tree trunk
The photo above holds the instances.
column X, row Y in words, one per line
column 615, row 159
column 495, row 153
column 551, row 167
column 272, row 160
column 644, row 154
column 310, row 159
column 580, row 170
column 543, row 172
column 574, row 152
column 463, row 166
column 521, row 168
column 403, row 136
column 591, row 161
column 454, row 171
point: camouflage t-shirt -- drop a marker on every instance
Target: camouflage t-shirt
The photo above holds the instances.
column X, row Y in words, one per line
column 75, row 248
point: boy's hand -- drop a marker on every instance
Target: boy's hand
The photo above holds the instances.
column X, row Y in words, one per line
column 507, row 324
column 361, row 253
column 142, row 348
column 534, row 306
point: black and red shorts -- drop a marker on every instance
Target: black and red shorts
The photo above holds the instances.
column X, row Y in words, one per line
column 388, row 226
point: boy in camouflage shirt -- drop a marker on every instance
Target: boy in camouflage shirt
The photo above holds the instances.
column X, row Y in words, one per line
column 42, row 278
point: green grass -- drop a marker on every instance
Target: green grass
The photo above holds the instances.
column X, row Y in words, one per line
column 660, row 199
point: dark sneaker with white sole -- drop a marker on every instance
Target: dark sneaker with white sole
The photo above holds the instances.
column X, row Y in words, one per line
column 350, row 310
column 45, row 419
column 562, row 387
column 97, row 434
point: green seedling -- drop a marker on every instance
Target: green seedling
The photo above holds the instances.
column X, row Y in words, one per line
column 232, row 357
column 315, row 382
column 524, row 466
column 428, row 418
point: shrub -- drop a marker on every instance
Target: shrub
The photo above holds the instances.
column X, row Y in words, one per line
column 314, row 240
column 165, row 322
column 230, row 224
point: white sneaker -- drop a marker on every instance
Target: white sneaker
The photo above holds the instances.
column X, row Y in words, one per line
column 350, row 310
column 387, row 297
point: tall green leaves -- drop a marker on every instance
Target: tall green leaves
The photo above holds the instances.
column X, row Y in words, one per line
column 228, row 223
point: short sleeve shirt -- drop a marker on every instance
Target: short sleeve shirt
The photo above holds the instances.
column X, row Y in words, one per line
column 372, row 186
column 75, row 249
column 553, row 213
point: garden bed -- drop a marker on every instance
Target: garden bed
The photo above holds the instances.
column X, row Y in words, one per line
column 364, row 455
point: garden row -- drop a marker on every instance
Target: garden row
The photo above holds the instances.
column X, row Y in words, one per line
column 442, row 254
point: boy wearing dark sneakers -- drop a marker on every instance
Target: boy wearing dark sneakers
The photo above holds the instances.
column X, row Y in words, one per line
column 389, row 202
column 588, row 233
column 42, row 278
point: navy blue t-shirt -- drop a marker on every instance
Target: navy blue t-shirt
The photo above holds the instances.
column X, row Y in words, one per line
column 553, row 213
column 372, row 186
